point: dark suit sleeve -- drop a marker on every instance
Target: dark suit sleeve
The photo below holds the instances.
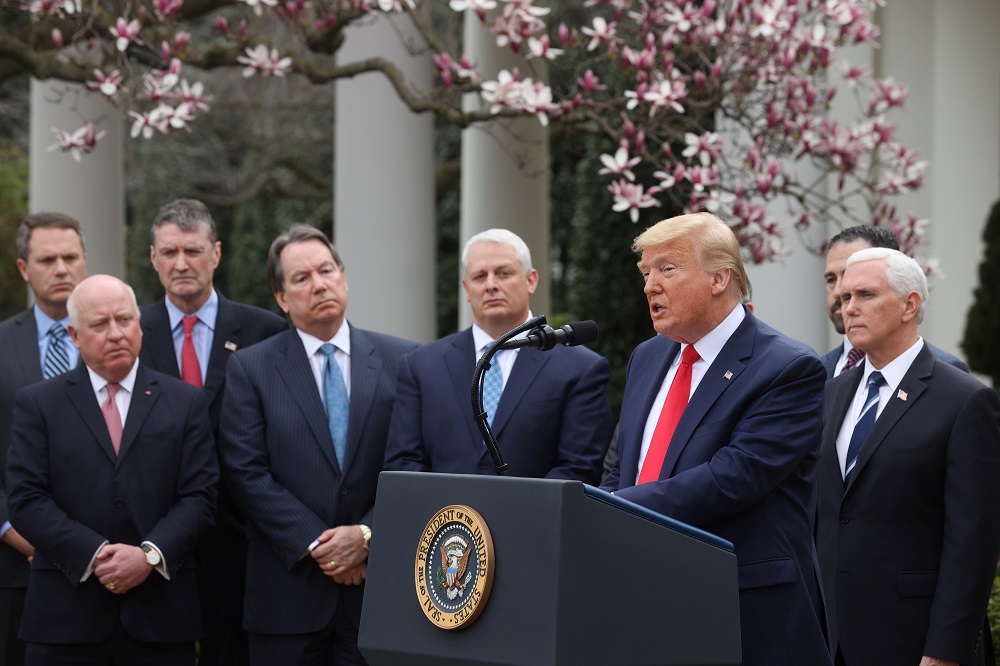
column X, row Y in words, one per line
column 770, row 439
column 34, row 511
column 288, row 524
column 971, row 528
column 586, row 426
column 193, row 508
column 404, row 449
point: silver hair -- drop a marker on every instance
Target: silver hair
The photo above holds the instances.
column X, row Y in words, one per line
column 504, row 237
column 73, row 314
column 903, row 273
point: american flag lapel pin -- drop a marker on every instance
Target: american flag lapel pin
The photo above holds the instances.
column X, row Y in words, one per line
column 231, row 346
column 729, row 374
column 901, row 395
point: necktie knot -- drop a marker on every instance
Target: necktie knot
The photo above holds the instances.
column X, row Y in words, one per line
column 57, row 331
column 690, row 355
column 327, row 349
column 875, row 380
column 189, row 323
column 113, row 389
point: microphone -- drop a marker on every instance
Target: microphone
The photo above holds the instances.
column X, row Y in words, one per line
column 545, row 338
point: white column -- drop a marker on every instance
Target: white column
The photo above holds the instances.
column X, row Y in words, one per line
column 91, row 190
column 384, row 219
column 505, row 169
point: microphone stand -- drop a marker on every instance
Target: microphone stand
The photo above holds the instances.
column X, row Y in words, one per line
column 478, row 413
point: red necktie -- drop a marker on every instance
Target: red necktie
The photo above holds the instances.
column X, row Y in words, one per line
column 112, row 417
column 190, row 370
column 853, row 357
column 673, row 407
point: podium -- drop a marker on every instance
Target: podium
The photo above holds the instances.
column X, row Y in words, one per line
column 581, row 577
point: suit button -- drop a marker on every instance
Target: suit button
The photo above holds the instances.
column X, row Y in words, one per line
column 343, row 491
column 119, row 503
column 845, row 519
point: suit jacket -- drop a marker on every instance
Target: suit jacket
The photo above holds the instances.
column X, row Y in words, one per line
column 908, row 549
column 20, row 365
column 236, row 326
column 553, row 420
column 831, row 357
column 741, row 464
column 279, row 458
column 69, row 492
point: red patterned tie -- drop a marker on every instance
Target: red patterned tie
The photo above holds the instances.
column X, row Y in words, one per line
column 673, row 407
column 190, row 370
column 112, row 417
column 853, row 357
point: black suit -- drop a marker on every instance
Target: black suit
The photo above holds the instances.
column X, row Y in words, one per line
column 20, row 365
column 222, row 550
column 69, row 492
column 908, row 549
column 279, row 458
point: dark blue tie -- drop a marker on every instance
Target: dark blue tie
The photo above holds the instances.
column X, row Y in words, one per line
column 335, row 401
column 864, row 424
column 56, row 358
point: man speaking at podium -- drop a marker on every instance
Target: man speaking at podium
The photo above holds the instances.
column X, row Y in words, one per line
column 720, row 428
column 550, row 410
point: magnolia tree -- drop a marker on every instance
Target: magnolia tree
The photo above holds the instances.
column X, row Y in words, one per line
column 714, row 105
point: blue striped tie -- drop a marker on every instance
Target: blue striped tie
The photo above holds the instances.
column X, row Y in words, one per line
column 56, row 356
column 864, row 424
column 335, row 401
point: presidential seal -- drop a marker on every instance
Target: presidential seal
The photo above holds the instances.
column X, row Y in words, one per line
column 454, row 567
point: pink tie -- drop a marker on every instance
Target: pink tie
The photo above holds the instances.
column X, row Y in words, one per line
column 853, row 357
column 673, row 407
column 190, row 370
column 112, row 417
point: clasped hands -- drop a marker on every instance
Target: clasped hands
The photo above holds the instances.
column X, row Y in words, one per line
column 340, row 554
column 120, row 567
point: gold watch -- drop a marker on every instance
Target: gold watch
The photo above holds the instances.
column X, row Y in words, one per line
column 366, row 532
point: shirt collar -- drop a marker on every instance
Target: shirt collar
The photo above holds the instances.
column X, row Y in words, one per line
column 481, row 338
column 128, row 383
column 43, row 322
column 895, row 369
column 341, row 340
column 847, row 345
column 711, row 344
column 207, row 313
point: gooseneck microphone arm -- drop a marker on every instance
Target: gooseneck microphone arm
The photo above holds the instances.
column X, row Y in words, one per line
column 478, row 412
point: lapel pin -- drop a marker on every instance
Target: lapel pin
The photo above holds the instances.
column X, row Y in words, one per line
column 231, row 346
column 901, row 395
column 149, row 393
column 729, row 374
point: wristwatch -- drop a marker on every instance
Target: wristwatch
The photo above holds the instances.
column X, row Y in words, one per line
column 366, row 532
column 152, row 557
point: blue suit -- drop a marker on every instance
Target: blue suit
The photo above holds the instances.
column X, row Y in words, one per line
column 741, row 464
column 553, row 419
column 831, row 357
column 68, row 493
column 279, row 459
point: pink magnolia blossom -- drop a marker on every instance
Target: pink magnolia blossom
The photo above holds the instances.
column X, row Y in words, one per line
column 260, row 60
column 147, row 124
column 601, row 32
column 258, row 5
column 479, row 7
column 107, row 84
column 619, row 164
column 79, row 143
column 166, row 9
column 125, row 32
column 632, row 197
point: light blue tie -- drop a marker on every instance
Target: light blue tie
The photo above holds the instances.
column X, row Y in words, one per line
column 335, row 401
column 56, row 357
column 864, row 424
column 492, row 387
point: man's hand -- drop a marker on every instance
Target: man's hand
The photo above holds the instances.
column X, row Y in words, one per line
column 934, row 661
column 14, row 539
column 120, row 567
column 340, row 554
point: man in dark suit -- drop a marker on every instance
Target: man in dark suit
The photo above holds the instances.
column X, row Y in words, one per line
column 843, row 245
column 33, row 345
column 112, row 476
column 185, row 251
column 907, row 525
column 553, row 417
column 720, row 428
column 303, row 440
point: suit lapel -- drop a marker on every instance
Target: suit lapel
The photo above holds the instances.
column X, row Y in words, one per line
column 81, row 394
column 647, row 385
column 460, row 360
column 26, row 346
column 366, row 370
column 840, row 394
column 158, row 340
column 225, row 340
column 145, row 393
column 913, row 385
column 528, row 364
column 294, row 369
